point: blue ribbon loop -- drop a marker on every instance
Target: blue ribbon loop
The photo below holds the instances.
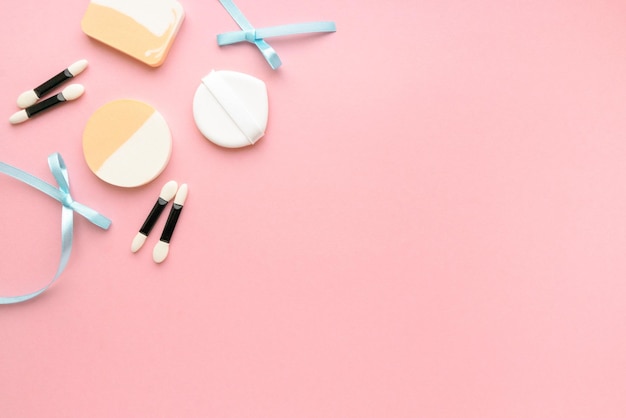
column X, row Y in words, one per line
column 256, row 36
column 61, row 194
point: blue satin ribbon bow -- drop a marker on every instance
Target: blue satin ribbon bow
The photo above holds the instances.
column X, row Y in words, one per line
column 62, row 194
column 255, row 36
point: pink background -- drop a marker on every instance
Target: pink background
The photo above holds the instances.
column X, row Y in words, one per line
column 433, row 226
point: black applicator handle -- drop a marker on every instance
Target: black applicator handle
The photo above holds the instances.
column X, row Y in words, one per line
column 172, row 219
column 156, row 211
column 44, row 105
column 47, row 86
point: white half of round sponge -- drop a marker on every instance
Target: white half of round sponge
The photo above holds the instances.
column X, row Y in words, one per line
column 231, row 108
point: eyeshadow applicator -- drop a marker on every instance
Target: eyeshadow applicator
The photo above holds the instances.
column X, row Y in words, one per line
column 71, row 92
column 28, row 98
column 167, row 193
column 161, row 249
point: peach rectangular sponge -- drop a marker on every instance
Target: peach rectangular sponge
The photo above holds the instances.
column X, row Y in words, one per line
column 143, row 29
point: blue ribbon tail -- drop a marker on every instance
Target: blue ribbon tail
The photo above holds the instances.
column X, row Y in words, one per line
column 268, row 52
column 296, row 29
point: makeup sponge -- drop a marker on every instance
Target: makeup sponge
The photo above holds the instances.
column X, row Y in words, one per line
column 231, row 108
column 127, row 143
column 143, row 29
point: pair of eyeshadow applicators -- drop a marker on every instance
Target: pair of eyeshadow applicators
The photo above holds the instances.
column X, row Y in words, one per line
column 161, row 249
column 28, row 100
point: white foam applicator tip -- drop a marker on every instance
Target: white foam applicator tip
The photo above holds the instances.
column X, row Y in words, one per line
column 181, row 195
column 169, row 190
column 73, row 91
column 138, row 242
column 18, row 117
column 160, row 251
column 26, row 99
column 78, row 67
